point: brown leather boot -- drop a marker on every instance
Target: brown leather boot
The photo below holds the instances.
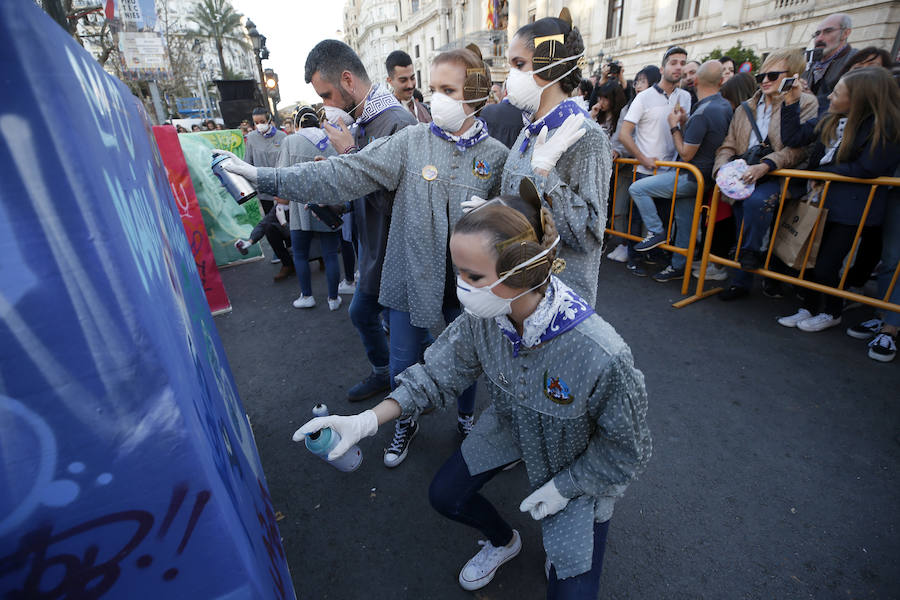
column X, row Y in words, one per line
column 285, row 272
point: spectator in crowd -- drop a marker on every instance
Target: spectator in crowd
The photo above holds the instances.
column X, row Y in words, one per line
column 340, row 79
column 562, row 150
column 869, row 56
column 496, row 94
column 585, row 89
column 727, row 69
column 245, row 129
column 220, row 127
column 210, row 125
column 696, row 138
column 309, row 143
column 757, row 211
column 195, row 128
column 623, row 175
column 433, row 169
column 830, row 38
column 610, row 72
column 401, row 76
column 645, row 131
column 689, row 79
column 579, row 457
column 504, row 120
column 180, row 129
column 263, row 145
column 417, row 94
column 288, row 126
column 859, row 136
column 739, row 88
column 609, row 105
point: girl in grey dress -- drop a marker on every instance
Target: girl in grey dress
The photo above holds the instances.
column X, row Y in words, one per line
column 544, row 70
column 567, row 401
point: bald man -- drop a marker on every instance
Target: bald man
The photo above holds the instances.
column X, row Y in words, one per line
column 696, row 138
column 831, row 39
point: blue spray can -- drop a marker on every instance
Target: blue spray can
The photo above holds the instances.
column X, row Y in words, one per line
column 324, row 441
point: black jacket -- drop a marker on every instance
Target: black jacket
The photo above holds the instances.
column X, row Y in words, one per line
column 845, row 201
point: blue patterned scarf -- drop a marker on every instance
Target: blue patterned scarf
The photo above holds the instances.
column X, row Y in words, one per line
column 379, row 100
column 479, row 132
column 315, row 136
column 552, row 120
column 560, row 310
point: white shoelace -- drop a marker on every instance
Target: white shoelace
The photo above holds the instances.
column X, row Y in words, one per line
column 400, row 432
column 486, row 556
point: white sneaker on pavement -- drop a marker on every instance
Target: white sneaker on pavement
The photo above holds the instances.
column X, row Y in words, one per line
column 819, row 322
column 791, row 321
column 347, row 287
column 304, row 302
column 275, row 260
column 482, row 567
column 713, row 272
column 334, row 303
column 620, row 254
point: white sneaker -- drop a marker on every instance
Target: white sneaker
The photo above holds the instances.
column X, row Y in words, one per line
column 275, row 260
column 713, row 272
column 347, row 287
column 482, row 567
column 620, row 254
column 304, row 302
column 818, row 323
column 791, row 321
column 334, row 303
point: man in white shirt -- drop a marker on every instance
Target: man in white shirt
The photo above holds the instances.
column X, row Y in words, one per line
column 402, row 78
column 645, row 130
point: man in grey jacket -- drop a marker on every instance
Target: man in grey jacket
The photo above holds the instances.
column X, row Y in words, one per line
column 340, row 79
column 830, row 38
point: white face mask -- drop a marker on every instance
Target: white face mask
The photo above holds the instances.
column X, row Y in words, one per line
column 485, row 304
column 262, row 127
column 523, row 91
column 335, row 115
column 448, row 113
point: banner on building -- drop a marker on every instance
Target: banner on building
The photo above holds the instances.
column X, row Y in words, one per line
column 142, row 50
column 226, row 220
column 191, row 217
column 128, row 466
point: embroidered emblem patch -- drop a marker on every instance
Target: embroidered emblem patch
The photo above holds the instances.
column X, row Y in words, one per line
column 556, row 389
column 481, row 168
column 429, row 172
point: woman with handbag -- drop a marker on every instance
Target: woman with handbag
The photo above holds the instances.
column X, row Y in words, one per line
column 859, row 136
column 755, row 136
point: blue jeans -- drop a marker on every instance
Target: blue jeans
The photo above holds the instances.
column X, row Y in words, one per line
column 890, row 255
column 331, row 245
column 454, row 493
column 644, row 190
column 365, row 314
column 756, row 212
column 408, row 344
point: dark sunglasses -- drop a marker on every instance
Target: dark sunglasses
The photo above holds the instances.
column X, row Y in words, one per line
column 772, row 75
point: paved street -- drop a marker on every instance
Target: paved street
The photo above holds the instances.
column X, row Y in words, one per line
column 774, row 470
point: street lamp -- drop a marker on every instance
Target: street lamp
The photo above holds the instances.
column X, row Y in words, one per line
column 259, row 46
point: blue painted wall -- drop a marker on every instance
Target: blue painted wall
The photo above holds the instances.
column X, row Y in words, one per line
column 127, row 464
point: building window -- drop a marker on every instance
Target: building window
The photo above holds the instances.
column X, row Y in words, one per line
column 414, row 5
column 419, row 77
column 432, row 43
column 532, row 13
column 417, row 51
column 687, row 9
column 615, row 11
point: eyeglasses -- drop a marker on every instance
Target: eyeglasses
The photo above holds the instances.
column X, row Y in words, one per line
column 826, row 31
column 771, row 75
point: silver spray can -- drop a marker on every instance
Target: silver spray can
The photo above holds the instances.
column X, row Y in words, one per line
column 324, row 441
column 239, row 188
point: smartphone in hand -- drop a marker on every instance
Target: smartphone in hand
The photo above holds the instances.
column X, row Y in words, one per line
column 787, row 84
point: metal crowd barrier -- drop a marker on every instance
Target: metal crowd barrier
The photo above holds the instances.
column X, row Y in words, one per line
column 688, row 252
column 707, row 257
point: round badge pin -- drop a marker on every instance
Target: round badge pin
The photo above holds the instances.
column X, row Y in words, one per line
column 429, row 172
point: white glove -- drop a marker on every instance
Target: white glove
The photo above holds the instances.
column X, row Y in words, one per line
column 546, row 153
column 470, row 205
column 237, row 166
column 280, row 209
column 351, row 429
column 544, row 501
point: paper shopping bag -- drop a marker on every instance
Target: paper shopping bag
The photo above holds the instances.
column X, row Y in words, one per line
column 795, row 233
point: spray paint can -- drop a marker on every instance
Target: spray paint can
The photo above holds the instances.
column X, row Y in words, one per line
column 324, row 441
column 239, row 188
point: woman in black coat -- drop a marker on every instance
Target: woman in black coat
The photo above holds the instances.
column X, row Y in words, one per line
column 858, row 137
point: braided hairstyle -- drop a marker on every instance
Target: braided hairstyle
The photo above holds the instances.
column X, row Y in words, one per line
column 553, row 51
column 516, row 231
